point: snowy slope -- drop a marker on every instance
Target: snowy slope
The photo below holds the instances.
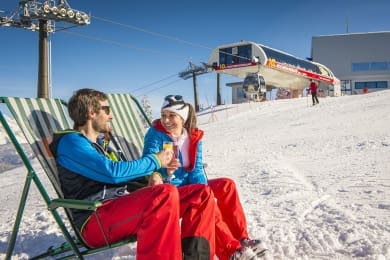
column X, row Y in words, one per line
column 314, row 181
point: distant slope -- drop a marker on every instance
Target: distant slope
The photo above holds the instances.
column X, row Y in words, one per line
column 8, row 156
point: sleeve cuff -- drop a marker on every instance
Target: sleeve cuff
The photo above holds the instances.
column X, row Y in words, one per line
column 158, row 160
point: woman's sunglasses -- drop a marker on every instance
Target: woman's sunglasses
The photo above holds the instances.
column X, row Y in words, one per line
column 174, row 100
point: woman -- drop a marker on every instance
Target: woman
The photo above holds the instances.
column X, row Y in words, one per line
column 178, row 125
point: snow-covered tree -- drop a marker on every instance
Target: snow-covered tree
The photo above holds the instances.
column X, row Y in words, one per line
column 147, row 107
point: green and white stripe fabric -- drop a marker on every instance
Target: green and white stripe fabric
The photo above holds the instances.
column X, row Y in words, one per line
column 38, row 118
column 129, row 124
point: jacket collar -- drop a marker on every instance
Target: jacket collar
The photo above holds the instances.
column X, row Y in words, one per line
column 196, row 134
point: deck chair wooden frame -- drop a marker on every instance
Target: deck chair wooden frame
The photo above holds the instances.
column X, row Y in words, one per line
column 38, row 119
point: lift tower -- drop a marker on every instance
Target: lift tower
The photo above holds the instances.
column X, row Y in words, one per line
column 40, row 16
column 191, row 72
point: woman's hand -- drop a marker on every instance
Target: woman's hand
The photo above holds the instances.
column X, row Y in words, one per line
column 173, row 165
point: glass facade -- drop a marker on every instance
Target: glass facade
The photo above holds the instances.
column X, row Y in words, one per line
column 371, row 66
column 235, row 55
column 288, row 59
column 346, row 87
column 362, row 66
column 243, row 54
column 370, row 84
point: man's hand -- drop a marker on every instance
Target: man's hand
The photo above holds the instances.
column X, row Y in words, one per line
column 155, row 178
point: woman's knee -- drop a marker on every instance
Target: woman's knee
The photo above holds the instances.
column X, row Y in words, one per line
column 222, row 185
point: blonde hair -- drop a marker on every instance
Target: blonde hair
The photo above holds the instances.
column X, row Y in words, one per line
column 191, row 123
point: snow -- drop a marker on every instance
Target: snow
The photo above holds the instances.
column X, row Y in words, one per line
column 314, row 181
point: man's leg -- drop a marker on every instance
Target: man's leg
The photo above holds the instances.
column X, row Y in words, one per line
column 197, row 206
column 151, row 213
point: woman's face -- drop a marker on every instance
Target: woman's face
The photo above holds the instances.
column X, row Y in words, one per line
column 172, row 122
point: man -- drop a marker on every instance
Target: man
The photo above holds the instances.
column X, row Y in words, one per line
column 150, row 213
column 313, row 90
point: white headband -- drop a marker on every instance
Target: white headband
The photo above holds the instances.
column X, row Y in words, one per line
column 180, row 109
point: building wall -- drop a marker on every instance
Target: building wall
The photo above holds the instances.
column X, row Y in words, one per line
column 237, row 91
column 348, row 54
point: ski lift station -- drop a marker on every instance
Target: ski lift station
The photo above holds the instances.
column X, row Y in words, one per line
column 264, row 68
column 360, row 61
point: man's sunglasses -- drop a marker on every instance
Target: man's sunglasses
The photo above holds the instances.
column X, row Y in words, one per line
column 106, row 109
column 174, row 100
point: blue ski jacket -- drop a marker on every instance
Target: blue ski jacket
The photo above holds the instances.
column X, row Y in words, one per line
column 153, row 143
column 76, row 153
column 86, row 172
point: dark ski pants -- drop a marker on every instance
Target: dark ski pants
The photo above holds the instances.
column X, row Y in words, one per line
column 314, row 98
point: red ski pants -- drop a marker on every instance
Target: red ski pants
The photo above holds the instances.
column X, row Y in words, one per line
column 231, row 224
column 152, row 214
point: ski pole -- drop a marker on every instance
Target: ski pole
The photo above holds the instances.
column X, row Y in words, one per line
column 307, row 98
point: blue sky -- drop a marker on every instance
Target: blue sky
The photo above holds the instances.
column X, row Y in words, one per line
column 117, row 57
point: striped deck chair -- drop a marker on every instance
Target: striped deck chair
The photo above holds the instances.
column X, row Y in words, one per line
column 38, row 119
column 129, row 125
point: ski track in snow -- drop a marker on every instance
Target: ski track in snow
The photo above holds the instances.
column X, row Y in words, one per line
column 299, row 213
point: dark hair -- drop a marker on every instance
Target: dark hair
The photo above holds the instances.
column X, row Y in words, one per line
column 81, row 102
column 191, row 123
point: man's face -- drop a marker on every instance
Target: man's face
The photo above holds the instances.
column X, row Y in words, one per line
column 101, row 120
